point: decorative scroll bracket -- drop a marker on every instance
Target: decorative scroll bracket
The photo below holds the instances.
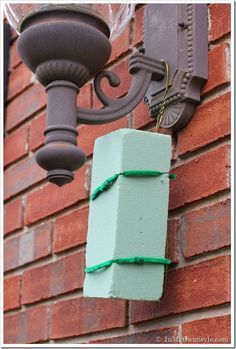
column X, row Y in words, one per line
column 142, row 68
column 176, row 33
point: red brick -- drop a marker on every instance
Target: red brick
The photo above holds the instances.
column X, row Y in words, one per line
column 159, row 336
column 10, row 328
column 122, row 71
column 36, row 132
column 204, row 176
column 85, row 96
column 210, row 122
column 20, row 78
column 220, row 21
column 217, row 329
column 139, row 25
column 25, row 105
column 70, row 230
column 141, row 116
column 86, row 315
column 54, row 198
column 89, row 133
column 11, row 253
column 42, row 241
column 16, row 145
column 173, row 240
column 121, row 44
column 22, row 176
column 192, row 287
column 218, row 68
column 12, row 292
column 173, row 141
column 35, row 288
column 14, row 57
column 29, row 326
column 28, row 247
column 206, row 229
column 13, row 216
column 64, row 275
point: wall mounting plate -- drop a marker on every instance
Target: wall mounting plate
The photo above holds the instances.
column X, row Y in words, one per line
column 177, row 33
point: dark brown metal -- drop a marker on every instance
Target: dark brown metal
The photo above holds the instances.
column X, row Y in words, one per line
column 177, row 33
column 7, row 39
column 66, row 46
column 142, row 69
column 66, row 12
column 60, row 156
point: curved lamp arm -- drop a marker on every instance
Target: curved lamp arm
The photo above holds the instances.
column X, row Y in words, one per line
column 62, row 67
column 142, row 69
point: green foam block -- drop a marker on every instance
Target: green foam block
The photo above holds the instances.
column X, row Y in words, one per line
column 130, row 218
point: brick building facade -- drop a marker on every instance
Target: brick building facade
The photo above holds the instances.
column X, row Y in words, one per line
column 45, row 226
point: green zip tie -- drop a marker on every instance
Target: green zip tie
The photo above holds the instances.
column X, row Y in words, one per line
column 130, row 173
column 136, row 260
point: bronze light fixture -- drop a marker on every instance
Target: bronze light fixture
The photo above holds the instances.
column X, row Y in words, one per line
column 66, row 45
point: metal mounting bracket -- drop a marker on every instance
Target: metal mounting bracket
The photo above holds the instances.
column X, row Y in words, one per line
column 177, row 33
column 142, row 69
column 73, row 46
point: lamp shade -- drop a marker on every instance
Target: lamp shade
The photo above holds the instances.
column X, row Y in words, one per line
column 116, row 16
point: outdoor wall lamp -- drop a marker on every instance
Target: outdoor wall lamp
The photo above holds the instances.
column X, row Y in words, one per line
column 66, row 45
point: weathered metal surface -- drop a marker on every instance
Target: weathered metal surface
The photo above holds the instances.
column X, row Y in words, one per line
column 60, row 155
column 142, row 68
column 66, row 47
column 177, row 33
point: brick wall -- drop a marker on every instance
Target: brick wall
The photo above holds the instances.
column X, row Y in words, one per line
column 45, row 226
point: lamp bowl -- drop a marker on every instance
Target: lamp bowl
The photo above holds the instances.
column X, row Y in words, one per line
column 64, row 44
